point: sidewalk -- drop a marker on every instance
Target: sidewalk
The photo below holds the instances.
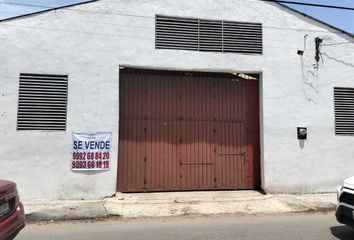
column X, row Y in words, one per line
column 179, row 204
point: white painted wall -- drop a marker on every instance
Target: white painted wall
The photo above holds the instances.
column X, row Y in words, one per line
column 89, row 42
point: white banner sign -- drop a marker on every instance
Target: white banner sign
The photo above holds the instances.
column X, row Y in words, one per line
column 91, row 151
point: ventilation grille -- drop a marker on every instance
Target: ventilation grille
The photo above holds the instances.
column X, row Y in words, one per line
column 208, row 35
column 344, row 110
column 42, row 102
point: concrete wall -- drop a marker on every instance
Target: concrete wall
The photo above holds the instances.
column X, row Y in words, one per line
column 89, row 42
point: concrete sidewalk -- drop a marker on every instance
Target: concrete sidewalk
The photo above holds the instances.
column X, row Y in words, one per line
column 179, row 204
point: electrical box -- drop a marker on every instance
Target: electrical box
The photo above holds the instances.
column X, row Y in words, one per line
column 302, row 133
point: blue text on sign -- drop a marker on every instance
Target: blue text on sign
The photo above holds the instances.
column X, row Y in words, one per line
column 92, row 145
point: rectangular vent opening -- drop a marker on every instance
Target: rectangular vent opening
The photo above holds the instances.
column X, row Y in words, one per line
column 344, row 110
column 208, row 35
column 42, row 102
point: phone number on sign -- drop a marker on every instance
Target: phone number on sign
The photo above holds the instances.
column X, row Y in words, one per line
column 90, row 165
column 90, row 156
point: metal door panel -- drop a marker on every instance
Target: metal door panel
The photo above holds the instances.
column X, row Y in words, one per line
column 186, row 131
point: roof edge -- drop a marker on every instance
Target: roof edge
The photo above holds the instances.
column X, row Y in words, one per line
column 86, row 2
column 46, row 10
column 315, row 19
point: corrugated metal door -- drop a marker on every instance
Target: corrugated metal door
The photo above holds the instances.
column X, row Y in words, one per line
column 187, row 131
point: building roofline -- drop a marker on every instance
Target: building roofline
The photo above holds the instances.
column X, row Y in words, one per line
column 316, row 19
column 46, row 10
column 279, row 4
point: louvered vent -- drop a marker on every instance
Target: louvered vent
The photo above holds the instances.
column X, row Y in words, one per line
column 344, row 110
column 208, row 35
column 42, row 102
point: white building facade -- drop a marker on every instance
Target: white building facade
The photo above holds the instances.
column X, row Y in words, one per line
column 93, row 43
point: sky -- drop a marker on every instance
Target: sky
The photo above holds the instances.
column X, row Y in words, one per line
column 343, row 19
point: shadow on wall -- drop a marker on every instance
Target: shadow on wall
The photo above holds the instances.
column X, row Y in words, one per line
column 302, row 144
column 88, row 172
column 310, row 79
column 309, row 82
column 338, row 60
column 342, row 232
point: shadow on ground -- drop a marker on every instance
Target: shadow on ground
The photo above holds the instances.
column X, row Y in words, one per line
column 343, row 232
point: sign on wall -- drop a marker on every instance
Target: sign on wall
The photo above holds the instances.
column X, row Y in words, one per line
column 91, row 151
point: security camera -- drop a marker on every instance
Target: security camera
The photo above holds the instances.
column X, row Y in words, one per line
column 300, row 52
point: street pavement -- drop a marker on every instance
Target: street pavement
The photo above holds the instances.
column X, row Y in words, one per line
column 321, row 226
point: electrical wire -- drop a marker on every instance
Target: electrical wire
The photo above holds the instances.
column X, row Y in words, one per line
column 29, row 5
column 75, row 31
column 136, row 15
column 335, row 44
column 133, row 27
column 127, row 36
column 74, row 10
column 106, row 34
column 144, row 16
column 138, row 38
column 149, row 38
column 132, row 37
column 153, row 17
column 311, row 4
column 276, row 1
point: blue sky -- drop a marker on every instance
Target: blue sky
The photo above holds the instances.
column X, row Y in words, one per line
column 10, row 10
column 340, row 18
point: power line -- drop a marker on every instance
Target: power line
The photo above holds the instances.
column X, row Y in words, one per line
column 277, row 1
column 106, row 34
column 76, row 31
column 30, row 5
column 130, row 37
column 335, row 44
column 110, row 13
column 46, row 8
column 153, row 28
column 122, row 26
column 311, row 4
column 152, row 17
column 146, row 38
column 149, row 17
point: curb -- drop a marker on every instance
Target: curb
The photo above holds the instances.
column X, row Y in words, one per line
column 140, row 206
column 64, row 211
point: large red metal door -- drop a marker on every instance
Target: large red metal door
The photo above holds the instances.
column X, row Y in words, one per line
column 187, row 131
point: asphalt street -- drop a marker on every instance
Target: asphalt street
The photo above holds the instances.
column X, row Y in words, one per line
column 282, row 227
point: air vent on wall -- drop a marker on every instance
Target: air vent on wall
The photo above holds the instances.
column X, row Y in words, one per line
column 344, row 110
column 42, row 102
column 208, row 35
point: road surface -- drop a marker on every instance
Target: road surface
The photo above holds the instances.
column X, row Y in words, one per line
column 280, row 227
